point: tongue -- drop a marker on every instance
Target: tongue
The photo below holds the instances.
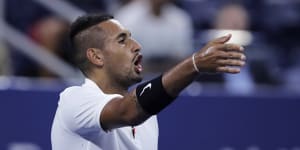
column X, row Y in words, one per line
column 138, row 68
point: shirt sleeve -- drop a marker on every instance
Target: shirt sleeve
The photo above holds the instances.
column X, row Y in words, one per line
column 80, row 110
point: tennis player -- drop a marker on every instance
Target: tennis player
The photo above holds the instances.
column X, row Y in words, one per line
column 102, row 114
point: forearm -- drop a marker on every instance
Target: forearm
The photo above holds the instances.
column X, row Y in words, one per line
column 124, row 111
column 180, row 76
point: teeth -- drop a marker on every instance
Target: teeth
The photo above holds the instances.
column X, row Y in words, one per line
column 138, row 60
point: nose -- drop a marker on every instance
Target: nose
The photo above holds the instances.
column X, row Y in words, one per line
column 136, row 46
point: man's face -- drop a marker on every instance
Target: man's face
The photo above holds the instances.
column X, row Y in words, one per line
column 122, row 57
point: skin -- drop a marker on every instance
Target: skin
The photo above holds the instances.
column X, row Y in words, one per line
column 156, row 6
column 114, row 70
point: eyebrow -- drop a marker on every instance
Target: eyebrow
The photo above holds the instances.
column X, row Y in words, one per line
column 123, row 35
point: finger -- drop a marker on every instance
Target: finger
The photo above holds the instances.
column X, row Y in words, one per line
column 231, row 62
column 226, row 69
column 233, row 55
column 221, row 40
column 230, row 47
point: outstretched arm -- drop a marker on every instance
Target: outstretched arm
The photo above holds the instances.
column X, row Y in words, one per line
column 151, row 97
column 216, row 56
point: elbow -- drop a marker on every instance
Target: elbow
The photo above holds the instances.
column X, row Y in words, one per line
column 135, row 122
column 134, row 119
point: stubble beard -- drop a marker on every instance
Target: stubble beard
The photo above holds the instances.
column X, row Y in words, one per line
column 129, row 79
column 134, row 78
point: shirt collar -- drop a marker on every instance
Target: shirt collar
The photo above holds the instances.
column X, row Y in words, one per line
column 90, row 83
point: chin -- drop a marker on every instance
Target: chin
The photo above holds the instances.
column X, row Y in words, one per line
column 135, row 78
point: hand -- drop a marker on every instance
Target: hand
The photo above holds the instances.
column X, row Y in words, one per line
column 216, row 56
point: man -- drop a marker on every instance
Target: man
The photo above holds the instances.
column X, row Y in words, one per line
column 101, row 114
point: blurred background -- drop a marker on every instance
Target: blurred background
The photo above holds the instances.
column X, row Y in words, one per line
column 257, row 109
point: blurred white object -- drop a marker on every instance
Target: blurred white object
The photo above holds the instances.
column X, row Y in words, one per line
column 242, row 37
column 4, row 60
column 168, row 34
column 62, row 8
column 292, row 79
column 241, row 83
column 194, row 89
column 23, row 146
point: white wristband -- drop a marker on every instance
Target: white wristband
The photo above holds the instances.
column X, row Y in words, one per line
column 194, row 63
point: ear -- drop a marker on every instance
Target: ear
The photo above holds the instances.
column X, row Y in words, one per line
column 95, row 56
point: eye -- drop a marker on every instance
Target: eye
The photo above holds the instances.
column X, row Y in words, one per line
column 122, row 41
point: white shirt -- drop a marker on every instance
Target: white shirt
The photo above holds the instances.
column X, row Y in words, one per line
column 76, row 125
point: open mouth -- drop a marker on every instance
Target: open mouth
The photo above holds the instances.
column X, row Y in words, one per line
column 138, row 64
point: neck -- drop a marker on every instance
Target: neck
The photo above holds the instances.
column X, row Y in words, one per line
column 109, row 86
column 156, row 9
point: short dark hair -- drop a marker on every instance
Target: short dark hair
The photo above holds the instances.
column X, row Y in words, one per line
column 84, row 34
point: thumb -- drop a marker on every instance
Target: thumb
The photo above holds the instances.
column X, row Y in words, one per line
column 222, row 40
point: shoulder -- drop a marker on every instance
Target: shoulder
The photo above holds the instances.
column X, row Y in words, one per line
column 80, row 106
column 79, row 91
column 89, row 88
column 82, row 94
